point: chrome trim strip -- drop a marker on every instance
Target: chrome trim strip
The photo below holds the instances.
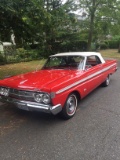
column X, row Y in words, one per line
column 84, row 79
column 37, row 106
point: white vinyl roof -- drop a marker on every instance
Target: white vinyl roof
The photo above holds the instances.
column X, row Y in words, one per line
column 84, row 54
column 77, row 54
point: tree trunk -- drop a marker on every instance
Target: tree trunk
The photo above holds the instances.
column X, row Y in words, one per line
column 119, row 48
column 90, row 35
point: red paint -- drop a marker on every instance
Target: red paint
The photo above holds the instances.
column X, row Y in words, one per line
column 55, row 80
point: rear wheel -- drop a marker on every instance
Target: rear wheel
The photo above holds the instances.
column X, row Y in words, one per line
column 106, row 82
column 70, row 107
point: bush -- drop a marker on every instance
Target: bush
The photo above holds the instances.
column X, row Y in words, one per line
column 2, row 59
column 34, row 54
column 27, row 54
column 22, row 53
column 113, row 44
column 12, row 59
column 103, row 45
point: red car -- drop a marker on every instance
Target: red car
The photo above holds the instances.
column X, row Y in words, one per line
column 65, row 79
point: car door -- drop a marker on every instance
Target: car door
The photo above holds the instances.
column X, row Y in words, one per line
column 93, row 74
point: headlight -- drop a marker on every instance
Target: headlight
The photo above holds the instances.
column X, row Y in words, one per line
column 46, row 99
column 38, row 97
column 42, row 98
column 4, row 91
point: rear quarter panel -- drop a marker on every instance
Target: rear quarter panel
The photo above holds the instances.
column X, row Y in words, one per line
column 108, row 68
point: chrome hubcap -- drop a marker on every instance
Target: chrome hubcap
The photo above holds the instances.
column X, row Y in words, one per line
column 71, row 105
column 107, row 80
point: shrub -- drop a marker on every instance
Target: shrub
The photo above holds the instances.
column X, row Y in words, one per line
column 103, row 45
column 113, row 44
column 22, row 53
column 2, row 59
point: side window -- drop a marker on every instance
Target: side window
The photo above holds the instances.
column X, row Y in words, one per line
column 98, row 60
column 76, row 61
column 93, row 60
column 54, row 61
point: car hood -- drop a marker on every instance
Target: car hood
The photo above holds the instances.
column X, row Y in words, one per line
column 38, row 80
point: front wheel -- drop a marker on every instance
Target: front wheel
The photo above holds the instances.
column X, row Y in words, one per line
column 70, row 107
column 106, row 82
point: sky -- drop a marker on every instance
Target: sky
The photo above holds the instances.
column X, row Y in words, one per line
column 64, row 1
column 76, row 12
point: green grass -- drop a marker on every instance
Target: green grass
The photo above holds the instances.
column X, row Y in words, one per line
column 19, row 68
column 23, row 67
column 110, row 53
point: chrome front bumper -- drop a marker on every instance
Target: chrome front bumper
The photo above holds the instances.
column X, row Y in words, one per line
column 32, row 106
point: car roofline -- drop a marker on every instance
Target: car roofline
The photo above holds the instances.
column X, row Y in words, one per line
column 84, row 54
column 76, row 53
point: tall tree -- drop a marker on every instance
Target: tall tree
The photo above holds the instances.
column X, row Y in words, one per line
column 59, row 20
column 12, row 18
column 41, row 21
column 93, row 8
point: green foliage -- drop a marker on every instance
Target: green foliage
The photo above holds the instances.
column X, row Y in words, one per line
column 51, row 26
column 103, row 45
column 73, row 46
column 27, row 55
column 102, row 17
column 36, row 21
column 113, row 44
column 2, row 59
column 109, row 44
column 23, row 55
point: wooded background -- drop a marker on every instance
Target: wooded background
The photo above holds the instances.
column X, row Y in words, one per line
column 44, row 27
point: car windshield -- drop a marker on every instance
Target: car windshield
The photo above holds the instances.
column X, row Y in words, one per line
column 64, row 62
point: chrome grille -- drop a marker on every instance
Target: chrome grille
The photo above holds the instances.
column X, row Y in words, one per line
column 21, row 94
